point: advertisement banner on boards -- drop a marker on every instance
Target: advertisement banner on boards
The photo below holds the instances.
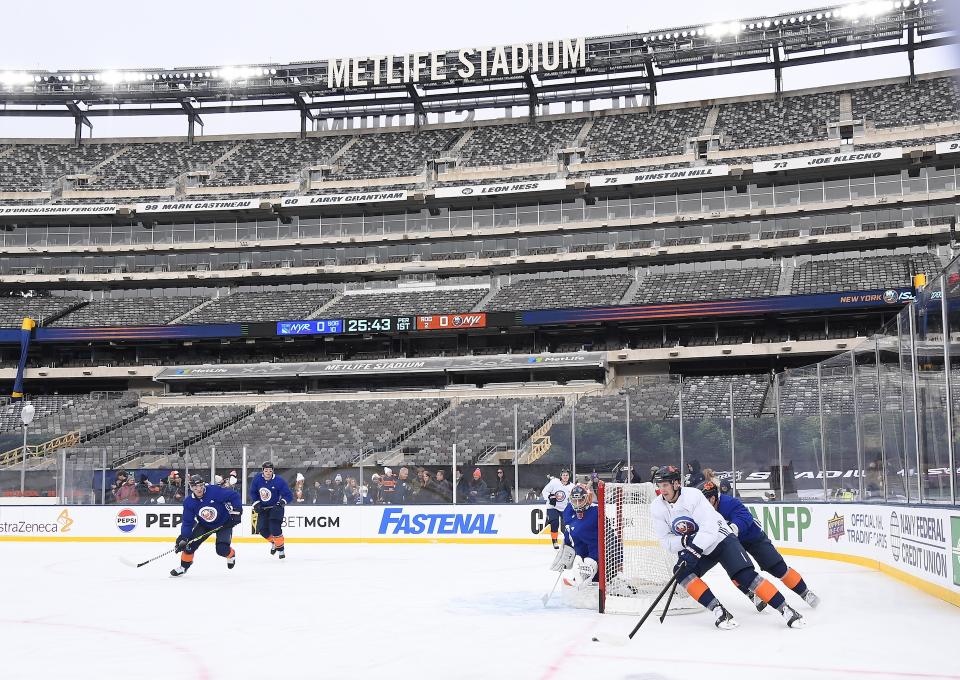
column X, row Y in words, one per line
column 922, row 541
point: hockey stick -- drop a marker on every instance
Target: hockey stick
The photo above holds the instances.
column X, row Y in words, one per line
column 201, row 537
column 666, row 607
column 546, row 598
column 618, row 639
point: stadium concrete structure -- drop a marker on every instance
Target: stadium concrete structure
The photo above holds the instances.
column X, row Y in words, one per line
column 212, row 291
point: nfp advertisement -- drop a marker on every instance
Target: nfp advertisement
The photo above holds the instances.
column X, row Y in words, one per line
column 919, row 545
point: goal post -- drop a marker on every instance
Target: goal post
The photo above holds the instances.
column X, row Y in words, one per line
column 633, row 566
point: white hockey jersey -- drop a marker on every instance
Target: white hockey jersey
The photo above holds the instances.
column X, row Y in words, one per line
column 562, row 491
column 691, row 514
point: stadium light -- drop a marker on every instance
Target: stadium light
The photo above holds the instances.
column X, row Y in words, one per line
column 865, row 9
column 720, row 30
column 14, row 78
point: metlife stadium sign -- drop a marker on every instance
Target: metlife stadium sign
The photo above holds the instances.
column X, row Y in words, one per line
column 468, row 63
column 464, row 364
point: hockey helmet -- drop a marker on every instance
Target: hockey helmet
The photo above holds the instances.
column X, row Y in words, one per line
column 579, row 498
column 667, row 473
column 710, row 490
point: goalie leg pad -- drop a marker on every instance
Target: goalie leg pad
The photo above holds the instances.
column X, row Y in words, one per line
column 563, row 559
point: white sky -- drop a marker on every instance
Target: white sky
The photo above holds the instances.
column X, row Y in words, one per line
column 105, row 34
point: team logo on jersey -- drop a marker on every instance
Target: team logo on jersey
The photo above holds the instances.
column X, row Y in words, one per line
column 126, row 520
column 682, row 526
column 265, row 494
column 208, row 514
column 561, row 495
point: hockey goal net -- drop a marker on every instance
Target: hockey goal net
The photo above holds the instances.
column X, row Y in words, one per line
column 633, row 566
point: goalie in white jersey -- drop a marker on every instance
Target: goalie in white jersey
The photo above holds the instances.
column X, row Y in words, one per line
column 557, row 494
column 687, row 524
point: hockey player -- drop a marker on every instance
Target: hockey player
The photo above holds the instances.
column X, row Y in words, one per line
column 272, row 494
column 757, row 545
column 557, row 494
column 686, row 524
column 581, row 539
column 207, row 507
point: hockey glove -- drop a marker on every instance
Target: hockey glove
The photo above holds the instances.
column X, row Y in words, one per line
column 281, row 503
column 687, row 562
column 181, row 543
column 552, row 498
column 586, row 571
column 256, row 507
column 236, row 516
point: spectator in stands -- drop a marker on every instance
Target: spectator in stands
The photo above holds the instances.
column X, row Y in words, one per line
column 171, row 489
column 443, row 488
column 653, row 472
column 388, row 486
column 874, row 477
column 502, row 492
column 298, row 492
column 478, row 491
column 146, row 490
column 463, row 487
column 376, row 487
column 622, row 475
column 364, row 497
column 425, row 491
column 125, row 489
column 337, row 488
column 323, row 493
column 232, row 480
column 403, row 488
column 351, row 492
column 695, row 476
column 532, row 496
column 709, row 476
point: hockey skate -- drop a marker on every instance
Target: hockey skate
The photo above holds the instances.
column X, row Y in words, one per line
column 758, row 602
column 793, row 618
column 179, row 571
column 724, row 620
column 811, row 599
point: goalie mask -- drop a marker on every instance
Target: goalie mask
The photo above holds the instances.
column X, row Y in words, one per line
column 579, row 499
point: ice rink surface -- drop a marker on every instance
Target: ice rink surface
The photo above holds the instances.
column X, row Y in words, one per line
column 74, row 611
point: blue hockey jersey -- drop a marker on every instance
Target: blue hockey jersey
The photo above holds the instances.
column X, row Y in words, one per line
column 269, row 493
column 735, row 512
column 213, row 510
column 584, row 531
